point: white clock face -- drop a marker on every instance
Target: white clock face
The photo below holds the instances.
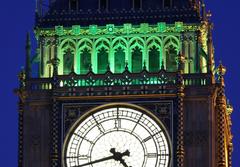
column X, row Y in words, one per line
column 117, row 137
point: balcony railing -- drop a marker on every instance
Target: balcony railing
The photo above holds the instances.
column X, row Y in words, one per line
column 109, row 79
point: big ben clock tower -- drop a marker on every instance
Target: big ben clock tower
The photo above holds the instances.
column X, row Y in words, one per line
column 127, row 83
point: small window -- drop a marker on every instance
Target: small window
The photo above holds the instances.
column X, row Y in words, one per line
column 137, row 4
column 103, row 4
column 73, row 4
column 167, row 3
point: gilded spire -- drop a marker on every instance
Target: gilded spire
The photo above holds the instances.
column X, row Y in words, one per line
column 204, row 14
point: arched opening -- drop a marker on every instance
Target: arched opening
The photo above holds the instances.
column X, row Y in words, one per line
column 137, row 4
column 171, row 58
column 68, row 61
column 119, row 57
column 154, row 59
column 136, row 60
column 102, row 58
column 85, row 61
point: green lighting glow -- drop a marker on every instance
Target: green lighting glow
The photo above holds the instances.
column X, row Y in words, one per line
column 76, row 29
column 111, row 46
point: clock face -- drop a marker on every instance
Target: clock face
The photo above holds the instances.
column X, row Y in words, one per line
column 117, row 137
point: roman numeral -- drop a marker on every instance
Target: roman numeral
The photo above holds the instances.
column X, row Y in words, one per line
column 149, row 137
column 117, row 123
column 152, row 155
column 146, row 139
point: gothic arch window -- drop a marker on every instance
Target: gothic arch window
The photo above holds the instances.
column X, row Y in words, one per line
column 103, row 4
column 67, row 55
column 85, row 60
column 136, row 59
column 167, row 3
column 137, row 4
column 68, row 59
column 119, row 48
column 73, row 4
column 154, row 59
column 102, row 60
column 119, row 57
column 171, row 58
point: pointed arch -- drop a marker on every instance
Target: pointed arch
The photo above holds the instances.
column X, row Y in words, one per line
column 154, row 39
column 67, row 42
column 171, row 53
column 154, row 54
column 137, row 59
column 171, row 48
column 67, row 56
column 102, row 42
column 137, row 46
column 84, row 41
column 102, row 60
column 68, row 61
column 171, row 40
column 154, row 58
column 100, row 57
column 136, row 41
column 84, row 55
column 119, row 46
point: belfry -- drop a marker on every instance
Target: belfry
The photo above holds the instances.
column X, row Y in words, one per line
column 127, row 83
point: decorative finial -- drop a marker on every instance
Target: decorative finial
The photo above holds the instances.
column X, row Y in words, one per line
column 209, row 15
column 221, row 71
column 204, row 14
column 229, row 107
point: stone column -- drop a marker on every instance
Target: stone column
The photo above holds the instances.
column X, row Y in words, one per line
column 54, row 115
column 180, row 125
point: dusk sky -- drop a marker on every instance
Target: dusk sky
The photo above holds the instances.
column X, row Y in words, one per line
column 17, row 17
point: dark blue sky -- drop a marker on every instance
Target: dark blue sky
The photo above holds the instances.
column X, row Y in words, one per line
column 17, row 17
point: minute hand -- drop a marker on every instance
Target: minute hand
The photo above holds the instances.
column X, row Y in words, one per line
column 96, row 161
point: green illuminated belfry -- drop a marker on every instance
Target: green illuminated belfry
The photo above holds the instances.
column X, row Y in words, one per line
column 149, row 40
column 101, row 65
column 99, row 46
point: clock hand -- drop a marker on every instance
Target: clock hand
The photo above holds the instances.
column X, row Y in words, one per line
column 116, row 156
column 123, row 163
column 96, row 161
column 119, row 156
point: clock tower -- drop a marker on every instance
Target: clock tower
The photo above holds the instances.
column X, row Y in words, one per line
column 128, row 83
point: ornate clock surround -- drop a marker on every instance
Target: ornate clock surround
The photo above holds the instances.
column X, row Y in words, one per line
column 161, row 110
